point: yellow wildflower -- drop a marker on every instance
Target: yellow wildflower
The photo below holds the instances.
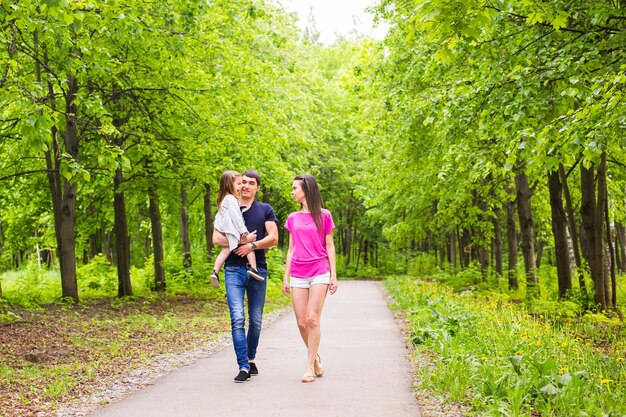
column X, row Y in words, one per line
column 562, row 371
column 618, row 360
column 564, row 344
column 606, row 380
column 538, row 342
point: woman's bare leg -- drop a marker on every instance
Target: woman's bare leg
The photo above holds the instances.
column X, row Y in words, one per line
column 308, row 305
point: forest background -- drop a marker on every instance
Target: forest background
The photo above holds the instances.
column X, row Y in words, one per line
column 479, row 145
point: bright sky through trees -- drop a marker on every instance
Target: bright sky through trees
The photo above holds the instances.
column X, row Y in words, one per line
column 334, row 17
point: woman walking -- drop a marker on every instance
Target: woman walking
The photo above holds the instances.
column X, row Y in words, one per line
column 310, row 270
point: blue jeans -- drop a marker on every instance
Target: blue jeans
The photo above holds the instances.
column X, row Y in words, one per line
column 237, row 283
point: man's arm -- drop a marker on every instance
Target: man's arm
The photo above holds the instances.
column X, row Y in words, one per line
column 270, row 239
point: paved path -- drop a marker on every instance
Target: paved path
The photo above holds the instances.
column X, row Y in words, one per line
column 366, row 371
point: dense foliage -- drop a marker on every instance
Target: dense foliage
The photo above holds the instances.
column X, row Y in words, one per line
column 505, row 130
column 481, row 133
column 119, row 117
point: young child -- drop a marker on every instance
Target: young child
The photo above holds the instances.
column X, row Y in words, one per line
column 229, row 222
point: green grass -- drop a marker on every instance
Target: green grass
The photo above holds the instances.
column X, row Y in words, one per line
column 33, row 286
column 504, row 358
column 103, row 337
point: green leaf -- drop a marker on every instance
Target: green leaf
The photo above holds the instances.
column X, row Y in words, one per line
column 516, row 362
column 535, row 17
column 560, row 20
column 549, row 389
column 564, row 379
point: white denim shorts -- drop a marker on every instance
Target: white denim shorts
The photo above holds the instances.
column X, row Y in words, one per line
column 307, row 282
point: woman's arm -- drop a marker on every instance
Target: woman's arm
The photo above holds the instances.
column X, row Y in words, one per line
column 332, row 262
column 286, row 286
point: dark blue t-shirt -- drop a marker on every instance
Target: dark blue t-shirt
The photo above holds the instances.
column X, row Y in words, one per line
column 254, row 218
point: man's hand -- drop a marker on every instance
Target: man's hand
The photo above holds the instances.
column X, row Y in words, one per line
column 244, row 250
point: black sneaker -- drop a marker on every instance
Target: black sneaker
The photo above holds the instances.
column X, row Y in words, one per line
column 215, row 280
column 243, row 376
column 255, row 274
column 254, row 371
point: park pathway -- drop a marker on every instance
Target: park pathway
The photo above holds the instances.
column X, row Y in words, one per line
column 367, row 371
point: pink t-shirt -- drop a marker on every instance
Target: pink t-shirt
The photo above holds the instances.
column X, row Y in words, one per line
column 310, row 257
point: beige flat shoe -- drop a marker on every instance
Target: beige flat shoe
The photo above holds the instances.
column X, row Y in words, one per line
column 306, row 378
column 319, row 371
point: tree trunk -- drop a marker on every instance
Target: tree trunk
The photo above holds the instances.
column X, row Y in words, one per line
column 376, row 257
column 511, row 238
column 464, row 243
column 452, row 250
column 559, row 231
column 602, row 290
column 68, row 200
column 184, row 229
column 348, row 240
column 524, row 213
column 592, row 216
column 366, row 254
column 442, row 255
column 62, row 193
column 122, row 244
column 107, row 245
column 95, row 246
column 208, row 222
column 613, row 289
column 497, row 244
column 483, row 259
column 157, row 240
column 573, row 229
column 620, row 232
column 147, row 246
column 358, row 253
column 539, row 253
column 587, row 214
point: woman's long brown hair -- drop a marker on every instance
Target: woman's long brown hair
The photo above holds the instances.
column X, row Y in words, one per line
column 313, row 197
column 227, row 186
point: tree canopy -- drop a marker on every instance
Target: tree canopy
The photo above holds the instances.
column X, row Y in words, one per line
column 476, row 132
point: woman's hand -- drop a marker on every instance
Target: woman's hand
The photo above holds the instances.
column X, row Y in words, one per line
column 286, row 287
column 332, row 288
